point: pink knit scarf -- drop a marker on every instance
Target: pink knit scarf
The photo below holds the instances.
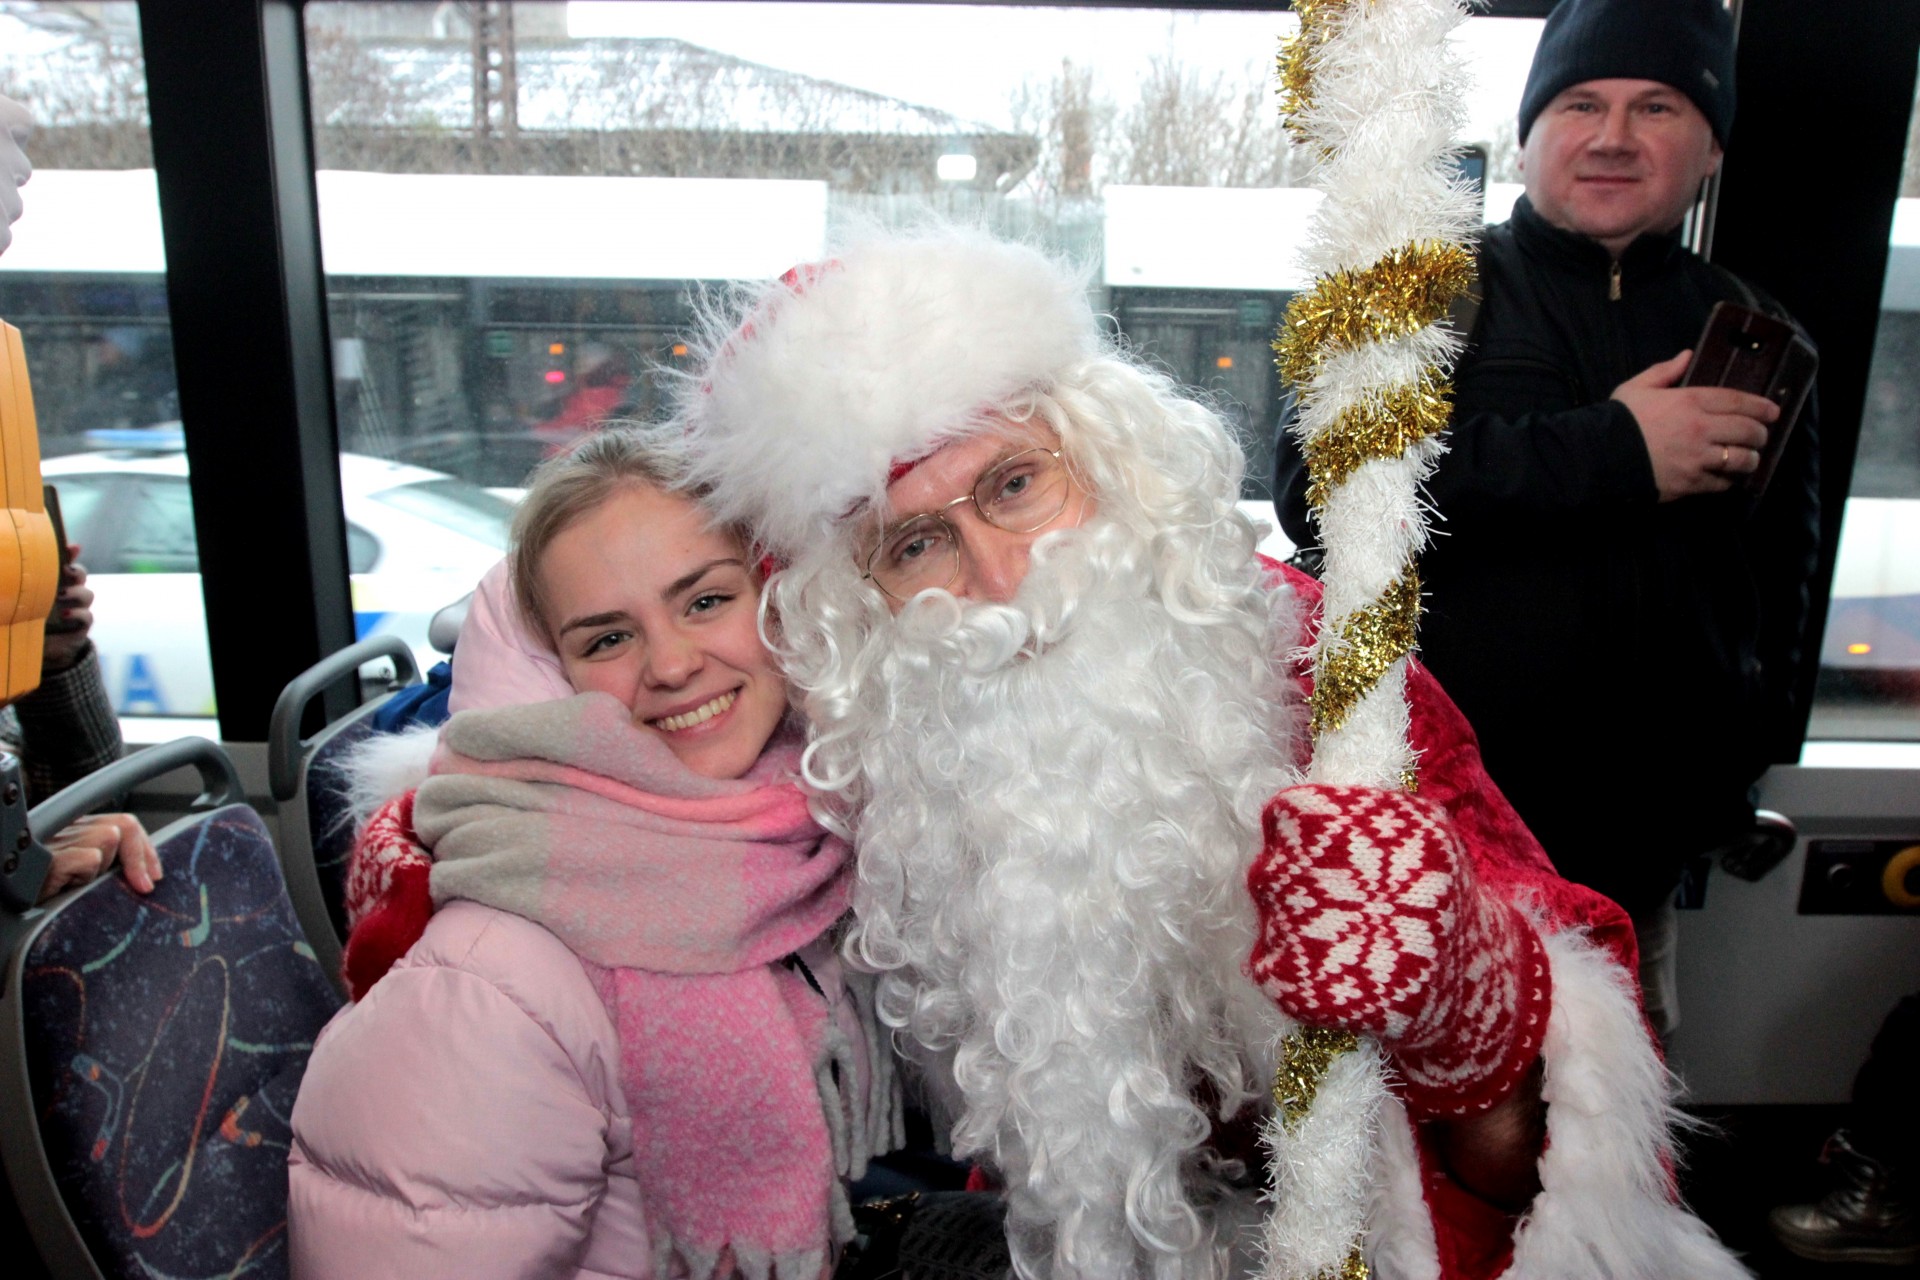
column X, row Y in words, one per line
column 684, row 895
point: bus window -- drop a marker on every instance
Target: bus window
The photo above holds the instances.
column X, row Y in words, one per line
column 85, row 281
column 1869, row 680
column 511, row 264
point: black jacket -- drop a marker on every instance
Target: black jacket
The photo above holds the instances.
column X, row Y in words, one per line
column 1628, row 664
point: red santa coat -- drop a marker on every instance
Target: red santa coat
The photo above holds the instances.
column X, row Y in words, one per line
column 1606, row 1208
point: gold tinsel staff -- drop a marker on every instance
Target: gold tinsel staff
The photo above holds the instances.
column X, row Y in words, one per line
column 1370, row 87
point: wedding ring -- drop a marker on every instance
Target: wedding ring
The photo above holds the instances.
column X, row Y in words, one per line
column 1723, row 457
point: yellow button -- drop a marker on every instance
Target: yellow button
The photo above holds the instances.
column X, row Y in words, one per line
column 1893, row 881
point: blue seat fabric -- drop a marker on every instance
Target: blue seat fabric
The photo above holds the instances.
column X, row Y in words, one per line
column 167, row 1036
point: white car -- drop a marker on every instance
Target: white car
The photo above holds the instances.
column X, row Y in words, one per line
column 416, row 540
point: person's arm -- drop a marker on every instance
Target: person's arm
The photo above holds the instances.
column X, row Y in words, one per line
column 67, row 725
column 442, row 1131
column 389, row 895
column 1502, row 463
column 1511, row 450
column 1535, row 463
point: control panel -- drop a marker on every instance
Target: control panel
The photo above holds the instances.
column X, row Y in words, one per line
column 1862, row 877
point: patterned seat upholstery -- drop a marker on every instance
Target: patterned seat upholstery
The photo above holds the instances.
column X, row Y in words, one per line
column 165, row 1041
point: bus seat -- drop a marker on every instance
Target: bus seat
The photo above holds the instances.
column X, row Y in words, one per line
column 444, row 628
column 308, row 782
column 154, row 1045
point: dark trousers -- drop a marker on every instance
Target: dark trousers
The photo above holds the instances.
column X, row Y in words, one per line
column 1886, row 1120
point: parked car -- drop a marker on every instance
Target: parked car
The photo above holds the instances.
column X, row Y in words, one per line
column 416, row 540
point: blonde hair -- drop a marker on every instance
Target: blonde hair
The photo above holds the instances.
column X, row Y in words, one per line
column 563, row 489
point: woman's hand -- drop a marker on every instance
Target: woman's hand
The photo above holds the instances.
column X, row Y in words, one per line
column 88, row 848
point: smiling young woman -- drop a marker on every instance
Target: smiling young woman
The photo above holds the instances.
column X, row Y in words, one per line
column 596, row 945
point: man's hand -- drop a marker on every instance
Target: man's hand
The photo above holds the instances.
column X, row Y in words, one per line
column 1373, row 920
column 89, row 847
column 15, row 169
column 69, row 621
column 1700, row 439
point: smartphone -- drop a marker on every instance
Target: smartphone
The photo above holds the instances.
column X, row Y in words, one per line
column 56, row 624
column 1751, row 351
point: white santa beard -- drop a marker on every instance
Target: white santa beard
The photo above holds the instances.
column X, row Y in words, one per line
column 1061, row 802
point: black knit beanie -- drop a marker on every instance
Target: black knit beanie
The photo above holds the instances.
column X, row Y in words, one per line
column 1685, row 43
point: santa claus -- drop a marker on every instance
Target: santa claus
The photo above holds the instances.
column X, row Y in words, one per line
column 1056, row 702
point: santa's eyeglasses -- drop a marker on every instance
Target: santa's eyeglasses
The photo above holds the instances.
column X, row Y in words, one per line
column 1019, row 494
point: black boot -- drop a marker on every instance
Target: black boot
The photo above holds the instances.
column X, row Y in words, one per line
column 1867, row 1217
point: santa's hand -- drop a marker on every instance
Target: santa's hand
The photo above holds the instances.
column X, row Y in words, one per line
column 389, row 898
column 1372, row 920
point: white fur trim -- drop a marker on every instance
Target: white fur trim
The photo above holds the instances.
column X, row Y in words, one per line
column 1605, row 1212
column 385, row 765
column 883, row 354
column 1400, row 1243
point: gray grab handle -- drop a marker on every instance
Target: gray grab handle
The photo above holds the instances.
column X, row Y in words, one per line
column 219, row 782
column 284, row 744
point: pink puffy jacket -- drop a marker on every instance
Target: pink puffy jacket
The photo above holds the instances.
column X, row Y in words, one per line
column 466, row 1119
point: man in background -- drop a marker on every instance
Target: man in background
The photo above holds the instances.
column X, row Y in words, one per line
column 1621, row 620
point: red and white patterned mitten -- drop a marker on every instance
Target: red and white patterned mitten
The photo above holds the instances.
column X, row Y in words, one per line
column 1372, row 920
column 388, row 898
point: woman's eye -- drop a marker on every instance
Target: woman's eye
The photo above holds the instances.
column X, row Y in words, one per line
column 708, row 601
column 602, row 643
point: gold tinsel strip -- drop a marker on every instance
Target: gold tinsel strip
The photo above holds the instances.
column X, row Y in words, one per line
column 1375, row 429
column 1304, row 1058
column 1354, row 1268
column 1371, row 640
column 1405, row 291
column 1299, row 55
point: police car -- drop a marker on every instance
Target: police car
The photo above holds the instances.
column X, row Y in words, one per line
column 416, row 540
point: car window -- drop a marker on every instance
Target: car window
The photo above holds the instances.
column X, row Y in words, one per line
column 80, row 509
column 466, row 509
column 159, row 536
column 363, row 550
